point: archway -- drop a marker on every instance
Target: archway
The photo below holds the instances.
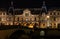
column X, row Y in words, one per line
column 19, row 34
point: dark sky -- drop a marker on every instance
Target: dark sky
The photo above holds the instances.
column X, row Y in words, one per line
column 29, row 3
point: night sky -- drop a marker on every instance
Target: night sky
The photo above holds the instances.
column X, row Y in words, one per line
column 29, row 3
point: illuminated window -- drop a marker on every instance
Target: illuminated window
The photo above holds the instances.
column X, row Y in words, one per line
column 26, row 19
column 9, row 19
column 32, row 19
column 26, row 14
column 20, row 19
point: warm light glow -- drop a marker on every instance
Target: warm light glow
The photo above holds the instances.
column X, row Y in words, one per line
column 16, row 23
column 48, row 16
column 37, row 26
column 26, row 19
column 7, row 24
column 11, row 23
column 25, row 24
column 33, row 24
column 30, row 20
column 30, row 26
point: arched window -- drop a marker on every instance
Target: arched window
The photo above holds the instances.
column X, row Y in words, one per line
column 18, row 19
column 50, row 13
column 54, row 18
column 43, row 24
column 54, row 13
column 57, row 13
column 26, row 12
column 54, row 25
column 3, row 13
column 35, row 18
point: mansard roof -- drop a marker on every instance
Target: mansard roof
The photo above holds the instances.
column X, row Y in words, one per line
column 54, row 8
column 33, row 10
column 3, row 9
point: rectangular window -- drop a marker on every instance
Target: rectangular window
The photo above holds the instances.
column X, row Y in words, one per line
column 58, row 13
column 50, row 13
column 54, row 13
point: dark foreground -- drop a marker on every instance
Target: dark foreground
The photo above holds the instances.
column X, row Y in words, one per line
column 27, row 33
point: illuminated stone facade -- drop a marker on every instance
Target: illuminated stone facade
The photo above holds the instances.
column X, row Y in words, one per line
column 26, row 18
column 49, row 20
column 52, row 19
